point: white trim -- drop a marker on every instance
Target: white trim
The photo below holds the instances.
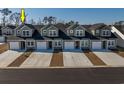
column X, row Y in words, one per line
column 114, row 30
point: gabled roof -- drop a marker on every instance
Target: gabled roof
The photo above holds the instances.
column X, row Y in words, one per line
column 106, row 27
column 48, row 26
column 9, row 26
column 96, row 26
column 75, row 26
column 28, row 25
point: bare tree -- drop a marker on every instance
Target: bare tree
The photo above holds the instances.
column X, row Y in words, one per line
column 5, row 12
column 32, row 22
column 49, row 20
column 15, row 18
column 39, row 22
column 45, row 19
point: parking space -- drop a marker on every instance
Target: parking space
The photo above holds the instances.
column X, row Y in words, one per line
column 8, row 57
column 110, row 58
column 38, row 59
column 66, row 58
column 76, row 59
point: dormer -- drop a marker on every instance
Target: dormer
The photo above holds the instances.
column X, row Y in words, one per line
column 105, row 31
column 24, row 30
column 50, row 31
column 76, row 30
column 8, row 30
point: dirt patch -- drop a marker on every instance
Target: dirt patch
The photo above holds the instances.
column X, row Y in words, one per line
column 3, row 48
column 93, row 58
column 57, row 58
column 21, row 59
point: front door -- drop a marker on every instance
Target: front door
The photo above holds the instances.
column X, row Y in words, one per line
column 77, row 44
column 50, row 44
column 22, row 44
column 104, row 44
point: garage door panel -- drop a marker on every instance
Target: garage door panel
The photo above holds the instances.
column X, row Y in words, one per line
column 41, row 45
column 14, row 45
column 69, row 45
column 96, row 45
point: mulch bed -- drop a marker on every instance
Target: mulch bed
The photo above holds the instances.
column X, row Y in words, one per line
column 93, row 58
column 21, row 59
column 57, row 59
column 3, row 48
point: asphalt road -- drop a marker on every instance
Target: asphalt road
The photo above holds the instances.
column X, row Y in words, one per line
column 63, row 76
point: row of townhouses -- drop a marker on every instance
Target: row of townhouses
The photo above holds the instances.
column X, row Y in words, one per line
column 59, row 36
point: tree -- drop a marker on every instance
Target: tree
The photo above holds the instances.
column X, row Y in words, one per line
column 45, row 19
column 39, row 22
column 49, row 20
column 71, row 22
column 5, row 12
column 32, row 22
column 15, row 18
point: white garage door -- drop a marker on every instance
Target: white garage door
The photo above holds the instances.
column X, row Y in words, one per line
column 41, row 45
column 96, row 45
column 14, row 45
column 2, row 38
column 69, row 45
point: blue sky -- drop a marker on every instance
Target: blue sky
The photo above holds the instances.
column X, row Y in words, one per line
column 83, row 15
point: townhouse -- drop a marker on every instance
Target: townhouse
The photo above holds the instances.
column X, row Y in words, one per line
column 60, row 36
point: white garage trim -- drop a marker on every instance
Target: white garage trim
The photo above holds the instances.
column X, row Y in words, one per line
column 96, row 45
column 69, row 45
column 41, row 45
column 14, row 45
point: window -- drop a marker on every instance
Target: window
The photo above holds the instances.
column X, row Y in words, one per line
column 105, row 32
column 82, row 43
column 79, row 32
column 111, row 43
column 71, row 31
column 44, row 31
column 59, row 43
column 18, row 32
column 28, row 43
column 32, row 43
column 85, row 43
column 52, row 32
column 25, row 33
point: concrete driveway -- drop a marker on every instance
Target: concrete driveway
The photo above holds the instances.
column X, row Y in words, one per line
column 110, row 58
column 76, row 59
column 38, row 59
column 8, row 57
